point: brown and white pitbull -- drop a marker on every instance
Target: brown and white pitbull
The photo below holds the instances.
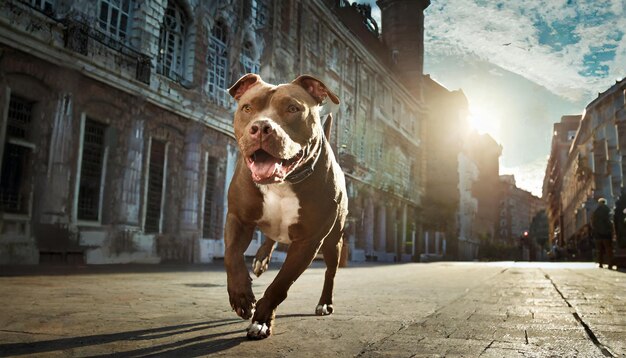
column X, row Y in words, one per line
column 289, row 185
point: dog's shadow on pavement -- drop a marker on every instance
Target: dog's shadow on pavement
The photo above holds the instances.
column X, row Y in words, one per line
column 198, row 345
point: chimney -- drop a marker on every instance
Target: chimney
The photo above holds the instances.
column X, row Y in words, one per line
column 403, row 34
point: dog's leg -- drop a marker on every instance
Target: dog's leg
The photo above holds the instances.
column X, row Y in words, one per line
column 332, row 251
column 237, row 238
column 299, row 256
column 261, row 261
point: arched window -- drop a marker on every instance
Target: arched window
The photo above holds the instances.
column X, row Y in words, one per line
column 170, row 59
column 114, row 18
column 217, row 61
column 247, row 59
column 259, row 11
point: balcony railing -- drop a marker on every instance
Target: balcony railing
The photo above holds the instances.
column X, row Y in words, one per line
column 79, row 34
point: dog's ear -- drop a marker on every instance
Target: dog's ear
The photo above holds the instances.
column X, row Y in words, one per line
column 243, row 84
column 328, row 125
column 316, row 88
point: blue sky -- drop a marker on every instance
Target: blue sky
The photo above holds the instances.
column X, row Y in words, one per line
column 524, row 64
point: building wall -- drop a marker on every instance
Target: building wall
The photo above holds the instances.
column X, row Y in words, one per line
column 77, row 76
column 445, row 130
column 468, row 209
column 564, row 134
column 516, row 210
column 594, row 167
column 485, row 152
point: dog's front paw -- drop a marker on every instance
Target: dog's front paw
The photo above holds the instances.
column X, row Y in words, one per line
column 323, row 310
column 258, row 330
column 260, row 266
column 243, row 305
column 242, row 299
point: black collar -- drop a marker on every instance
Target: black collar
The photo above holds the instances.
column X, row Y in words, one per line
column 300, row 174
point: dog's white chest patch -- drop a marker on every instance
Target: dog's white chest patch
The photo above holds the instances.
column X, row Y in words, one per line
column 280, row 210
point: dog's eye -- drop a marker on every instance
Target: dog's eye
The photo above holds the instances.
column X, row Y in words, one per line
column 293, row 109
column 246, row 108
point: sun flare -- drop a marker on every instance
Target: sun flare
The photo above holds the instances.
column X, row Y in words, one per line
column 484, row 122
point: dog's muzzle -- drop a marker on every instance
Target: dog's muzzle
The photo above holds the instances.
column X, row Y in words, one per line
column 267, row 169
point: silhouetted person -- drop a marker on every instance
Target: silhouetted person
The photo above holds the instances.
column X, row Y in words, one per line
column 585, row 244
column 602, row 228
column 619, row 218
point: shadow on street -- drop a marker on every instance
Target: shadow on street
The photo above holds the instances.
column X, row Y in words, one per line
column 191, row 347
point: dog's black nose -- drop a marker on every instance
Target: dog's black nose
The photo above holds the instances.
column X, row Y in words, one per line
column 260, row 128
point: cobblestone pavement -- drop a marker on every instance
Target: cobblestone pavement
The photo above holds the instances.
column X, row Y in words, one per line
column 403, row 310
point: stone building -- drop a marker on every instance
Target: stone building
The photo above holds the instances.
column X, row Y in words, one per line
column 115, row 132
column 478, row 203
column 564, row 133
column 595, row 164
column 444, row 135
column 517, row 208
column 486, row 153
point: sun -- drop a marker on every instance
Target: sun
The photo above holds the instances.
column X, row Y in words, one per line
column 484, row 121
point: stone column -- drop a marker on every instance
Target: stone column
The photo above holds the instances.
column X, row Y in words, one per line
column 382, row 229
column 129, row 205
column 368, row 224
column 231, row 162
column 392, row 231
column 189, row 210
column 403, row 232
column 56, row 201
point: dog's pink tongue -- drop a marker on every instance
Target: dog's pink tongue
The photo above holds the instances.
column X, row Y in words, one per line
column 264, row 167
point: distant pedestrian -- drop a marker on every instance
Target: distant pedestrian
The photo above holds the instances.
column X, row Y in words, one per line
column 602, row 228
column 619, row 219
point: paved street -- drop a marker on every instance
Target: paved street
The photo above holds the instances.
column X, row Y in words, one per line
column 403, row 310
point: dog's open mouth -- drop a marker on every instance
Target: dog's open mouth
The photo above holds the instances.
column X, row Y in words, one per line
column 267, row 169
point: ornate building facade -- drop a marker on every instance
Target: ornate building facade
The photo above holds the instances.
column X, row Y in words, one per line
column 563, row 136
column 593, row 168
column 115, row 132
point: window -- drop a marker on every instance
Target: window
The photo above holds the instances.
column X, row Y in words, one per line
column 46, row 6
column 20, row 116
column 16, row 160
column 259, row 12
column 313, row 30
column 332, row 58
column 397, row 111
column 366, row 80
column 156, row 186
column 248, row 63
column 114, row 18
column 211, row 224
column 387, row 99
column 172, row 42
column 350, row 67
column 395, row 54
column 91, row 171
column 218, row 64
column 571, row 135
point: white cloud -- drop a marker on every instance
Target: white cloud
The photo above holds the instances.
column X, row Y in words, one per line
column 507, row 36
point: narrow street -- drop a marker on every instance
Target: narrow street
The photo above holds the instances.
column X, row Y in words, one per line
column 403, row 310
